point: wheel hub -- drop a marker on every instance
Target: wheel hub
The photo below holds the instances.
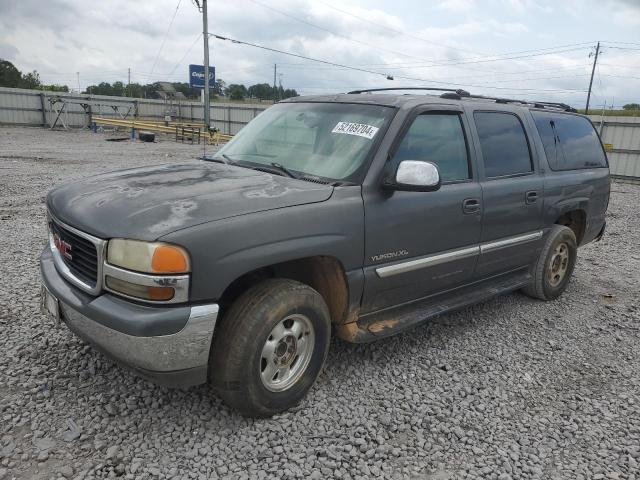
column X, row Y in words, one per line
column 559, row 264
column 286, row 352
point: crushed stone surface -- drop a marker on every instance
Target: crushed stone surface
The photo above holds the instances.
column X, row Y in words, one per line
column 512, row 388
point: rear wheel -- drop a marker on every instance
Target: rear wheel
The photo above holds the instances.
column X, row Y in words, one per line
column 270, row 348
column 553, row 269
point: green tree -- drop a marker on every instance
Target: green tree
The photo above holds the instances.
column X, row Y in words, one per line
column 133, row 90
column 288, row 93
column 236, row 92
column 54, row 88
column 631, row 106
column 261, row 91
column 10, row 76
column 30, row 80
column 118, row 88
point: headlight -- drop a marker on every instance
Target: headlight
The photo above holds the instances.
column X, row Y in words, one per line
column 148, row 257
column 149, row 271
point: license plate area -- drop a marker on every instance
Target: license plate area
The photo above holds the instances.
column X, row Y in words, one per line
column 50, row 306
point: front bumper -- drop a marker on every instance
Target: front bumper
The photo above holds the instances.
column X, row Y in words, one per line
column 168, row 344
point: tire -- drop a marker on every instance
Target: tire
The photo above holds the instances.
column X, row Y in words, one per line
column 552, row 271
column 270, row 347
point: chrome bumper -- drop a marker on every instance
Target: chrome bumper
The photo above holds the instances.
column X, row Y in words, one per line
column 167, row 344
column 185, row 350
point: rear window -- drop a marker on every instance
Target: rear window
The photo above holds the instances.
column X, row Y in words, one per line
column 505, row 150
column 570, row 142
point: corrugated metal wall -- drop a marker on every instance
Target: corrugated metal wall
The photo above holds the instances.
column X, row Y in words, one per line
column 25, row 107
column 32, row 107
column 621, row 136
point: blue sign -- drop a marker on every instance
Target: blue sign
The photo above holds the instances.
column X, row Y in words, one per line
column 196, row 76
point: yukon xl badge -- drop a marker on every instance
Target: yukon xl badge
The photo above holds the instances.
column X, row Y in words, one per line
column 387, row 256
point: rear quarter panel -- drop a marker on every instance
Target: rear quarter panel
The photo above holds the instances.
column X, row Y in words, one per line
column 586, row 190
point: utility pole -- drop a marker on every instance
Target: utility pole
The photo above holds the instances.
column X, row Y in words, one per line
column 275, row 93
column 128, row 81
column 205, row 35
column 593, row 70
column 78, row 77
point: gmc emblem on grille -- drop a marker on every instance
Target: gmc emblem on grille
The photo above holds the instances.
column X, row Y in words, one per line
column 63, row 247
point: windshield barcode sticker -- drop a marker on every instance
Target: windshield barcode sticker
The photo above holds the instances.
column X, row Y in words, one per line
column 359, row 129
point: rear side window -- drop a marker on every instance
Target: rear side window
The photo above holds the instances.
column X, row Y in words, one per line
column 505, row 149
column 570, row 142
column 437, row 138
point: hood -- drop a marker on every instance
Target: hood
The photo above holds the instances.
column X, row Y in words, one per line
column 147, row 203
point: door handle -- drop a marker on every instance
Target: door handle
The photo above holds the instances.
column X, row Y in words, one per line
column 531, row 197
column 471, row 205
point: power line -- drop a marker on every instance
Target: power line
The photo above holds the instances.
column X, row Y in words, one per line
column 377, row 47
column 220, row 37
column 166, row 34
column 623, row 48
column 185, row 55
column 487, row 60
column 541, row 51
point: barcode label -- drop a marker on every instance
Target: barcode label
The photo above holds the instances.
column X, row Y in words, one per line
column 359, row 129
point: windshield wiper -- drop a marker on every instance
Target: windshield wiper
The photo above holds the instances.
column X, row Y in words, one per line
column 219, row 159
column 284, row 170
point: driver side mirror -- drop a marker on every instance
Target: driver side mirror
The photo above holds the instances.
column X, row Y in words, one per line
column 415, row 176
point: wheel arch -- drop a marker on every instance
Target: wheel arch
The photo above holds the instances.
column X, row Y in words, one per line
column 576, row 220
column 323, row 273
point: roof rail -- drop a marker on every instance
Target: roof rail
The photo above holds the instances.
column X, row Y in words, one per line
column 536, row 104
column 460, row 92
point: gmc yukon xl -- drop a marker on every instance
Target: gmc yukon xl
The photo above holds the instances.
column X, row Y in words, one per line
column 364, row 214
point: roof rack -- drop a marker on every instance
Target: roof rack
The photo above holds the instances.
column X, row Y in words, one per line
column 460, row 92
column 536, row 104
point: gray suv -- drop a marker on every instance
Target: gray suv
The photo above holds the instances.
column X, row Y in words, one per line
column 364, row 214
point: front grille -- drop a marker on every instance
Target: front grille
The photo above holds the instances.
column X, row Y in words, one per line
column 83, row 261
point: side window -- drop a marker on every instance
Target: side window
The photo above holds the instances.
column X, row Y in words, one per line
column 437, row 138
column 505, row 149
column 570, row 142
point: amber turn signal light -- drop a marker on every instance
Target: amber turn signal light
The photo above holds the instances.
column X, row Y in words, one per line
column 169, row 259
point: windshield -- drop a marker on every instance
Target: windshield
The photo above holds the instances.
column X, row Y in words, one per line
column 327, row 140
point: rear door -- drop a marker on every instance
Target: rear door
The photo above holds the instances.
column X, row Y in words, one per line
column 421, row 243
column 512, row 192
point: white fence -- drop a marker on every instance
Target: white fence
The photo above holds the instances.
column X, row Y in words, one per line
column 33, row 107
column 621, row 136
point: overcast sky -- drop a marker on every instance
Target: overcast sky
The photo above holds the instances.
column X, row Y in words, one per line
column 439, row 42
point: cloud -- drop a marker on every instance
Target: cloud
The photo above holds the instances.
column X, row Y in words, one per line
column 62, row 37
column 455, row 6
column 8, row 52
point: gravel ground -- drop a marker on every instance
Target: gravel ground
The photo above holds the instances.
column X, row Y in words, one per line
column 512, row 388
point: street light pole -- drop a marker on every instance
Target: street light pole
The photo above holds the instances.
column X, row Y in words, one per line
column 205, row 34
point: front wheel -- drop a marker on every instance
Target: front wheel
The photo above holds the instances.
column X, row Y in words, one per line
column 270, row 347
column 553, row 269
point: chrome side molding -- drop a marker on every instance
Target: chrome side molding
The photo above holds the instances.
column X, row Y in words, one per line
column 448, row 256
column 510, row 241
column 428, row 261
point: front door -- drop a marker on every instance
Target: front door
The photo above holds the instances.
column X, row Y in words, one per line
column 512, row 192
column 421, row 243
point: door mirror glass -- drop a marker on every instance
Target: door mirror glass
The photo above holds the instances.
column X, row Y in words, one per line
column 417, row 176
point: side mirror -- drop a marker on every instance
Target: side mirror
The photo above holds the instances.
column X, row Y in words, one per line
column 415, row 176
